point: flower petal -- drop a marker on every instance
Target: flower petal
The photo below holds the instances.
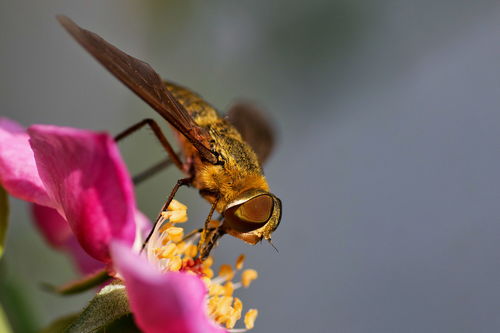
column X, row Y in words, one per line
column 57, row 233
column 51, row 225
column 18, row 171
column 85, row 177
column 163, row 302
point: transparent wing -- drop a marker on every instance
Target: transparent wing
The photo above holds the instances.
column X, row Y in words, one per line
column 139, row 77
column 254, row 127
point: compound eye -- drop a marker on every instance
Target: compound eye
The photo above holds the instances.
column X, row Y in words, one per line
column 256, row 210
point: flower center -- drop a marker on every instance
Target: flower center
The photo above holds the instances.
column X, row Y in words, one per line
column 170, row 250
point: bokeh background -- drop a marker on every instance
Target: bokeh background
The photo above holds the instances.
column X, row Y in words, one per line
column 388, row 161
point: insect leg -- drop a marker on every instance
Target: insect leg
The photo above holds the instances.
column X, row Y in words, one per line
column 207, row 240
column 180, row 182
column 212, row 239
column 151, row 171
column 159, row 135
column 192, row 233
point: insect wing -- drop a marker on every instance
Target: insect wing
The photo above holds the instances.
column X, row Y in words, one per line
column 143, row 81
column 254, row 127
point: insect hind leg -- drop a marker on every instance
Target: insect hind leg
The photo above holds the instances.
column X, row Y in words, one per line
column 173, row 156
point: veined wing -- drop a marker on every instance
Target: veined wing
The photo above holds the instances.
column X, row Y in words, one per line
column 139, row 77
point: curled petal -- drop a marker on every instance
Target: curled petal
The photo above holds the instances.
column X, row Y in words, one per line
column 86, row 179
column 18, row 171
column 57, row 233
column 163, row 302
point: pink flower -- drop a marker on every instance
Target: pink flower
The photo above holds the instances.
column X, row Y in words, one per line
column 84, row 204
column 79, row 174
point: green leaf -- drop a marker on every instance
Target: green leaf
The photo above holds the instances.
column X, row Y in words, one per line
column 4, row 324
column 4, row 217
column 109, row 305
column 59, row 325
column 81, row 285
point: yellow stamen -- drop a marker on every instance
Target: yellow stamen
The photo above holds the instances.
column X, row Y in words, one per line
column 208, row 262
column 164, row 227
column 240, row 261
column 225, row 304
column 248, row 276
column 191, row 251
column 208, row 272
column 175, row 264
column 250, row 317
column 174, row 254
column 231, row 321
column 216, row 290
column 238, row 307
column 178, row 216
column 167, row 251
column 176, row 205
column 226, row 271
column 175, row 234
column 181, row 247
column 228, row 288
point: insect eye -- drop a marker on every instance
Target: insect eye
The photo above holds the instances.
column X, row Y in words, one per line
column 257, row 210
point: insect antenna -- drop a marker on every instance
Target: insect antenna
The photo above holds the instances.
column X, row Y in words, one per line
column 274, row 247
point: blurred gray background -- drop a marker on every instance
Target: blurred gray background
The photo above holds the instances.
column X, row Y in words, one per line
column 388, row 163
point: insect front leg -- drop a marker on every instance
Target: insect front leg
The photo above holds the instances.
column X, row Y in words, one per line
column 180, row 182
column 172, row 155
column 209, row 234
column 211, row 238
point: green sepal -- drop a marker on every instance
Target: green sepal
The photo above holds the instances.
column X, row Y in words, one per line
column 4, row 218
column 107, row 309
column 124, row 324
column 80, row 285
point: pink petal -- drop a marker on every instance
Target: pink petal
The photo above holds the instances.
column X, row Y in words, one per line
column 57, row 233
column 163, row 302
column 18, row 171
column 52, row 226
column 85, row 177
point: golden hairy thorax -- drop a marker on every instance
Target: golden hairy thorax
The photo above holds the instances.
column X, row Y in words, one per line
column 241, row 170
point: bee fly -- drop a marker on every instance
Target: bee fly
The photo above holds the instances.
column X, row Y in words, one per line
column 222, row 156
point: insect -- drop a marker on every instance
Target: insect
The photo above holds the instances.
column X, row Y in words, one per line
column 222, row 156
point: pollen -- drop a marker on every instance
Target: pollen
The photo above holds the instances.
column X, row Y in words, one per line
column 250, row 317
column 176, row 216
column 192, row 250
column 226, row 271
column 208, row 262
column 248, row 276
column 240, row 261
column 176, row 205
column 175, row 234
column 228, row 288
column 172, row 252
column 209, row 273
column 167, row 251
column 175, row 264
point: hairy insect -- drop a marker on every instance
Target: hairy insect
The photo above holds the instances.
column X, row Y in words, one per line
column 221, row 156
